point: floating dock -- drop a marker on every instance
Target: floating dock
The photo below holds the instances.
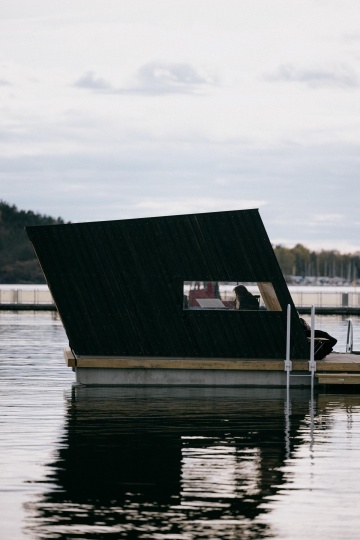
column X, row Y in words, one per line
column 336, row 368
column 146, row 302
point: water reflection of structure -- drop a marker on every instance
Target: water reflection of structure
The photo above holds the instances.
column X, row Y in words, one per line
column 196, row 462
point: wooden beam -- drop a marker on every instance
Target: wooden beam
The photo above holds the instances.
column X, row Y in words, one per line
column 203, row 363
column 181, row 363
column 269, row 296
column 334, row 363
column 69, row 358
column 338, row 378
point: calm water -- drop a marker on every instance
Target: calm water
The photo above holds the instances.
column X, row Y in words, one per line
column 168, row 463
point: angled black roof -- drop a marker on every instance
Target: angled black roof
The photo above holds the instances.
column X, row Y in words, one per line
column 118, row 286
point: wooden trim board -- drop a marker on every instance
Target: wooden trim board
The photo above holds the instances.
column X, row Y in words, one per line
column 338, row 378
column 333, row 363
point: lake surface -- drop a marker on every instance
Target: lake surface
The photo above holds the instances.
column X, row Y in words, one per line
column 91, row 463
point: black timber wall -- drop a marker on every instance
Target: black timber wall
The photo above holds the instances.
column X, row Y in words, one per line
column 118, row 286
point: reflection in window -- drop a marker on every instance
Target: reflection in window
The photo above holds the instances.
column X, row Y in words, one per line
column 226, row 295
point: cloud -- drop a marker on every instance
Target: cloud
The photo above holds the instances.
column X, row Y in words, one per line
column 351, row 37
column 299, row 203
column 91, row 81
column 189, row 205
column 328, row 218
column 153, row 78
column 170, row 78
column 340, row 76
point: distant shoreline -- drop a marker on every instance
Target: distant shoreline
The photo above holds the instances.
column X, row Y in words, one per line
column 292, row 288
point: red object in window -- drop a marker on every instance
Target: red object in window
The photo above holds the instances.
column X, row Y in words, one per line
column 209, row 290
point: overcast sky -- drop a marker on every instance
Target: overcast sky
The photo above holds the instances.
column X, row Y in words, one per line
column 115, row 109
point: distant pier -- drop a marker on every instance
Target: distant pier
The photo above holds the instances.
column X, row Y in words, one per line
column 329, row 310
column 26, row 299
column 326, row 302
column 27, row 307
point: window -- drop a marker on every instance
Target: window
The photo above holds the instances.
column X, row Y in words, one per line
column 233, row 296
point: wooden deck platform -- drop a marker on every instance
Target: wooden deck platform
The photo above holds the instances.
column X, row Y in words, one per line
column 338, row 378
column 336, row 368
column 333, row 362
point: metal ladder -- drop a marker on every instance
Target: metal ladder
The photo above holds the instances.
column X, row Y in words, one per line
column 288, row 362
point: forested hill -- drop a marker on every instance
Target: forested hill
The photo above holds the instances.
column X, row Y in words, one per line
column 18, row 263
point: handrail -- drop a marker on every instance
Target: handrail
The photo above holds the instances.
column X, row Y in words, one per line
column 349, row 337
column 312, row 363
column 288, row 363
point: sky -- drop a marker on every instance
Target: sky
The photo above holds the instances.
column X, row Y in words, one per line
column 118, row 109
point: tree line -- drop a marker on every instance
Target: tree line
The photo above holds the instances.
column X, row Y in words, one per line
column 301, row 261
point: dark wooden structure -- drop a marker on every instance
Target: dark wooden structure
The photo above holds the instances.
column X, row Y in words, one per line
column 118, row 286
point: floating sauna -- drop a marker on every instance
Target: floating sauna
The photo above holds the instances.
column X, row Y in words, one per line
column 151, row 301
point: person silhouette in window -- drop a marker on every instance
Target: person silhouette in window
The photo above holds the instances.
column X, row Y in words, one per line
column 244, row 299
